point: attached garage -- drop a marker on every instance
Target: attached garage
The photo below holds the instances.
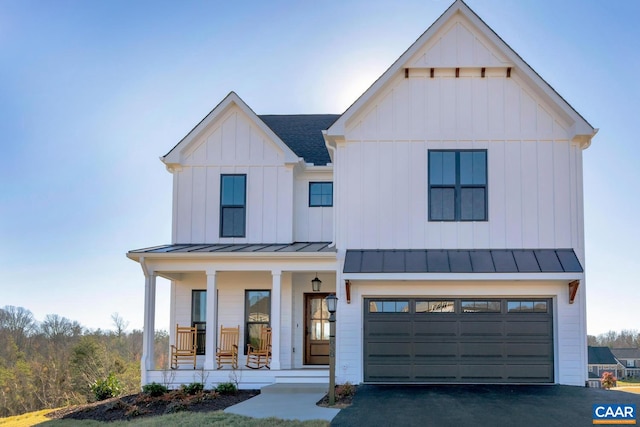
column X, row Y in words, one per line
column 458, row 340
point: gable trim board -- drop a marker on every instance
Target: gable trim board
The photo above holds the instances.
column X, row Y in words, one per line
column 175, row 155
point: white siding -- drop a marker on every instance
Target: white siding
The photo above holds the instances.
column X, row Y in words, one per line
column 311, row 224
column 234, row 145
column 533, row 186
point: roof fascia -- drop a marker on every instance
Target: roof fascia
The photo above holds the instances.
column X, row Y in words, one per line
column 582, row 130
column 136, row 256
column 174, row 156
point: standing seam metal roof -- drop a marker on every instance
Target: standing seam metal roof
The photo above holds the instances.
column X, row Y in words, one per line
column 462, row 261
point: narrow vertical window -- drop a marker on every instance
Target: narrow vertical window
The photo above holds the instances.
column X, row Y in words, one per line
column 257, row 313
column 233, row 205
column 199, row 317
column 320, row 194
column 458, row 185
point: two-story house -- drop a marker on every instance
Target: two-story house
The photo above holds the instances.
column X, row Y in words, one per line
column 444, row 208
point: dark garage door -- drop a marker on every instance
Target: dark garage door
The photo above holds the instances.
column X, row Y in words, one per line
column 453, row 340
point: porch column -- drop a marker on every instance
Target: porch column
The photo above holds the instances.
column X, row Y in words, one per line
column 212, row 327
column 147, row 361
column 276, row 293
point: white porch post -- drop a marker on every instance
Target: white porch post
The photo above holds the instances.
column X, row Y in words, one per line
column 147, row 361
column 276, row 292
column 212, row 327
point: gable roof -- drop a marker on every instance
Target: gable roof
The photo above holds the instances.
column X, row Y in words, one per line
column 626, row 353
column 583, row 131
column 232, row 99
column 601, row 356
column 303, row 134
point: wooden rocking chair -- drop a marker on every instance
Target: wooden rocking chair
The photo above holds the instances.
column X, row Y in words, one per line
column 258, row 357
column 184, row 350
column 227, row 352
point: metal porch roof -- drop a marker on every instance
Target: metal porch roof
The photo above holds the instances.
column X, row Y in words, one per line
column 194, row 248
column 462, row 261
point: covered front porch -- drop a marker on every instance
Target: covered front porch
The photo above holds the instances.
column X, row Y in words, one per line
column 244, row 289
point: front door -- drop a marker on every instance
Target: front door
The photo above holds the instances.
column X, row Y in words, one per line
column 316, row 338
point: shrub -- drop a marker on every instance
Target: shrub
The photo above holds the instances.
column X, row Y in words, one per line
column 345, row 390
column 227, row 388
column 154, row 389
column 106, row 388
column 608, row 380
column 193, row 388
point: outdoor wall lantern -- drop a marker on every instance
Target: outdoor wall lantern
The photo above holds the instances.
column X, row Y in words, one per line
column 332, row 302
column 315, row 284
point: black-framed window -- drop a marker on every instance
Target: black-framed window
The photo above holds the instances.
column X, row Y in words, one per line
column 480, row 306
column 526, row 306
column 233, row 198
column 257, row 313
column 320, row 194
column 199, row 317
column 458, row 185
column 389, row 306
column 436, row 306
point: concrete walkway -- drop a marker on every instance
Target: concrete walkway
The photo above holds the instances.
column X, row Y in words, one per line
column 287, row 402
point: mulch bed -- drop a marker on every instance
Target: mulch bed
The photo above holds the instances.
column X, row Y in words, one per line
column 143, row 405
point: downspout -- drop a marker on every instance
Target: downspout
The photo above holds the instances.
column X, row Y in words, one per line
column 336, row 204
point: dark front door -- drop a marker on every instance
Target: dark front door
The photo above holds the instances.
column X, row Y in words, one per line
column 316, row 338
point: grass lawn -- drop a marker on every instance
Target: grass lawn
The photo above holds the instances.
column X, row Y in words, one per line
column 185, row 419
column 25, row 420
column 629, row 386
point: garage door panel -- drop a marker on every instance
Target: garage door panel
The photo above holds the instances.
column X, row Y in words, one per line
column 529, row 373
column 427, row 328
column 481, row 349
column 482, row 373
column 385, row 372
column 471, row 326
column 389, row 349
column 497, row 347
column 381, row 328
column 529, row 328
column 447, row 349
column 435, row 373
column 528, row 349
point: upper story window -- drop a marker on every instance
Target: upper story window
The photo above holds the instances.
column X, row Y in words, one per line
column 457, row 185
column 233, row 200
column 320, row 194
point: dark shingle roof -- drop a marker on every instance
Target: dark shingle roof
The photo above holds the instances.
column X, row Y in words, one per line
column 302, row 133
column 626, row 353
column 462, row 261
column 601, row 356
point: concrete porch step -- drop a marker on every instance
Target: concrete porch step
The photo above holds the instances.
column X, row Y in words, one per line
column 295, row 388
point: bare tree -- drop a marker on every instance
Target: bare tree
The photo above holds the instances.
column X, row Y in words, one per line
column 19, row 323
column 120, row 324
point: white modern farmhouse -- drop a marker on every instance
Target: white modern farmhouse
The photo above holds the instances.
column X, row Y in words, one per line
column 444, row 209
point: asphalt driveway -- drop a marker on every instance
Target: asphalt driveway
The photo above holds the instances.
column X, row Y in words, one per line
column 477, row 405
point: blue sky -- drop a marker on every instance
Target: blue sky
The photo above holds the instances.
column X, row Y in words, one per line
column 93, row 92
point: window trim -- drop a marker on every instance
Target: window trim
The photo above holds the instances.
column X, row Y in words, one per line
column 318, row 205
column 458, row 187
column 223, row 206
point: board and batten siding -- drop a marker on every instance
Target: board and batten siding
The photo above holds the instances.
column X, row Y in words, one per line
column 311, row 224
column 534, row 170
column 233, row 145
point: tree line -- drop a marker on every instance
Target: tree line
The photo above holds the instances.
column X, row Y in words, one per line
column 627, row 338
column 55, row 362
